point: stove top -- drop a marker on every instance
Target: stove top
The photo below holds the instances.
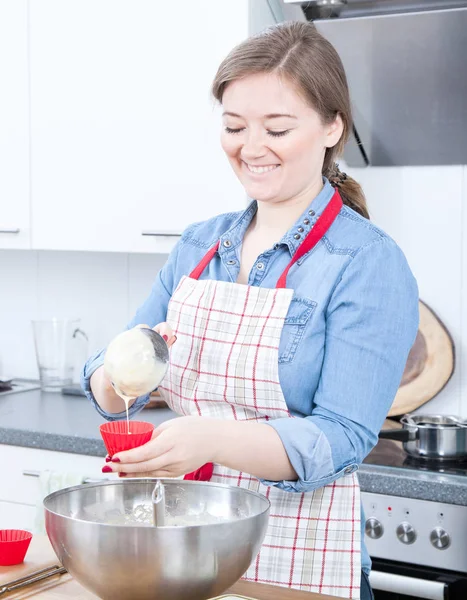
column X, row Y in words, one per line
column 388, row 453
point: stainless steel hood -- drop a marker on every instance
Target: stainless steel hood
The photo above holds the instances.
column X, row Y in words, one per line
column 406, row 64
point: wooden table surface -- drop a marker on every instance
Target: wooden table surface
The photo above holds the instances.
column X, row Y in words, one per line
column 41, row 555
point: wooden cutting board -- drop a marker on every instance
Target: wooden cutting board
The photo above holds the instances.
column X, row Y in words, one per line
column 429, row 366
column 41, row 555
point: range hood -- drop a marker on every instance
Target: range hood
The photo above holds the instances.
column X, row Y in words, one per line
column 406, row 64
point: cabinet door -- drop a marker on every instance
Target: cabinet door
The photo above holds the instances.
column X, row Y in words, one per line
column 21, row 468
column 125, row 135
column 14, row 126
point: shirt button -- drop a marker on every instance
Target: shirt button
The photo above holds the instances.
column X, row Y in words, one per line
column 306, row 221
column 348, row 470
column 300, row 230
column 260, row 266
column 297, row 236
column 231, row 262
column 311, row 213
column 227, row 243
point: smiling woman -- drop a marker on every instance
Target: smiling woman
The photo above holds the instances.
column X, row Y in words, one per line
column 274, row 139
column 291, row 321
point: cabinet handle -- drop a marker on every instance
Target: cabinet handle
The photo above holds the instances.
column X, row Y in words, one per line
column 87, row 480
column 6, row 230
column 161, row 233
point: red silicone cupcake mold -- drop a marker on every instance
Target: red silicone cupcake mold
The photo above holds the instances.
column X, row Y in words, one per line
column 14, row 544
column 116, row 437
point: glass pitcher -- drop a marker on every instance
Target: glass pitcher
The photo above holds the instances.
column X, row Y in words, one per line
column 57, row 342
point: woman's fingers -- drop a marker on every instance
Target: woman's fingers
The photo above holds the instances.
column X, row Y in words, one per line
column 166, row 332
column 152, row 474
column 161, row 463
column 142, row 454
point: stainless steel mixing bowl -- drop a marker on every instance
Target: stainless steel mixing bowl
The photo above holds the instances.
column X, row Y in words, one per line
column 137, row 562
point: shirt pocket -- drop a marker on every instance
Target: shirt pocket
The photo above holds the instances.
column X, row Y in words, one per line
column 300, row 311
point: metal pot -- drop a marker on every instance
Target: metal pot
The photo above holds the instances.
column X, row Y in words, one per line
column 438, row 437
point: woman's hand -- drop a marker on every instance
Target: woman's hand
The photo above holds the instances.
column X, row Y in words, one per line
column 184, row 444
column 178, row 447
column 164, row 330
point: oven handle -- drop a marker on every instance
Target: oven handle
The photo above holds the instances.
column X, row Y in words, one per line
column 407, row 586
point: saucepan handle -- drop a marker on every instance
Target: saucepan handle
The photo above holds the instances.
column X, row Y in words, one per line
column 398, row 435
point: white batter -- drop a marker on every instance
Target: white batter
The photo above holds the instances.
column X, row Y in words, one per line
column 131, row 365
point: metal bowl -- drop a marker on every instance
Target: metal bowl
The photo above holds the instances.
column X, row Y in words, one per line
column 190, row 562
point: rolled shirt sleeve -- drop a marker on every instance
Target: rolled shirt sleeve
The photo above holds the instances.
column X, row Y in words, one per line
column 152, row 312
column 371, row 324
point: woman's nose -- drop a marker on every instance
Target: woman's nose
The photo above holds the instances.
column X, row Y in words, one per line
column 254, row 146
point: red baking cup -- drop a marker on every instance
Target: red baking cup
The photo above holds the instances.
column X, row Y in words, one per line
column 14, row 544
column 116, row 437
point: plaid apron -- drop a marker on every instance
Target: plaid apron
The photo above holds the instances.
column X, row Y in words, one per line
column 225, row 365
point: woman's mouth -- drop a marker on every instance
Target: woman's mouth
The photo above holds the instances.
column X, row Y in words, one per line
column 260, row 169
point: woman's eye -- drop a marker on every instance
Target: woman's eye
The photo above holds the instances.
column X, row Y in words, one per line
column 269, row 132
column 230, row 130
column 278, row 133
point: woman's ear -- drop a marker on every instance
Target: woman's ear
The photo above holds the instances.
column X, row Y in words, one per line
column 334, row 132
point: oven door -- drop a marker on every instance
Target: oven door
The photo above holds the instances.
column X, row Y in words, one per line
column 398, row 581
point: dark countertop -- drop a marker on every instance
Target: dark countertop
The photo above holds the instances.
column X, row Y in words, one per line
column 49, row 421
column 411, row 483
column 52, row 421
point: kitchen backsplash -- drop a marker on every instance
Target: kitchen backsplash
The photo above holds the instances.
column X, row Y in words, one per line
column 422, row 208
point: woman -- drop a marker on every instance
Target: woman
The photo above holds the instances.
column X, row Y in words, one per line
column 292, row 321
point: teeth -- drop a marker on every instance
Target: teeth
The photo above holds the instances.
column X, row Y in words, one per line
column 261, row 169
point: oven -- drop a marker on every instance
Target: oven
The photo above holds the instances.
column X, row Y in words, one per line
column 415, row 514
column 393, row 580
column 418, row 547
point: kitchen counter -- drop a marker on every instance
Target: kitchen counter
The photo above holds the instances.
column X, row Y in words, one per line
column 49, row 421
column 52, row 421
column 41, row 555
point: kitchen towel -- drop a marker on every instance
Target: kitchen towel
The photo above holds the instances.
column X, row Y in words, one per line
column 51, row 481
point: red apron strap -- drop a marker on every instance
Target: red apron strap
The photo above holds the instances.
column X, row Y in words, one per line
column 320, row 228
column 196, row 273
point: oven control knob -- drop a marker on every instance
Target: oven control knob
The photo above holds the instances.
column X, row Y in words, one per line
column 406, row 533
column 373, row 528
column 440, row 539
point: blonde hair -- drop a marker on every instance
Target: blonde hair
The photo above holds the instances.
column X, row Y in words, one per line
column 299, row 52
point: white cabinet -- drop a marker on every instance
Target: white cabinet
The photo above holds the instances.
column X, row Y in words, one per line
column 14, row 126
column 124, row 133
column 20, row 489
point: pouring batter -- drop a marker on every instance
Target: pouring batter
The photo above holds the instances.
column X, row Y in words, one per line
column 294, row 320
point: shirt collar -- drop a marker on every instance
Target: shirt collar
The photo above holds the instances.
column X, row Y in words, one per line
column 302, row 226
column 233, row 237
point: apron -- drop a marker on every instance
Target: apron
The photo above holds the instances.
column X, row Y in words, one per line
column 225, row 365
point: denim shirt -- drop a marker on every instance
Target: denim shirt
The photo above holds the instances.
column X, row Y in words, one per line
column 346, row 337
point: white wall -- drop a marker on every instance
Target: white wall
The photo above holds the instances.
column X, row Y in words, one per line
column 103, row 289
column 422, row 208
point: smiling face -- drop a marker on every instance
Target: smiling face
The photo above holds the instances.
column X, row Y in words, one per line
column 274, row 140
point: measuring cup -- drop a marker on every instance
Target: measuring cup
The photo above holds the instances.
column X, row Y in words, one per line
column 57, row 343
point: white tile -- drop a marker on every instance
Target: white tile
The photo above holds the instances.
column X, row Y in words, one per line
column 92, row 286
column 433, row 206
column 143, row 269
column 462, row 353
column 420, row 207
column 18, row 271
